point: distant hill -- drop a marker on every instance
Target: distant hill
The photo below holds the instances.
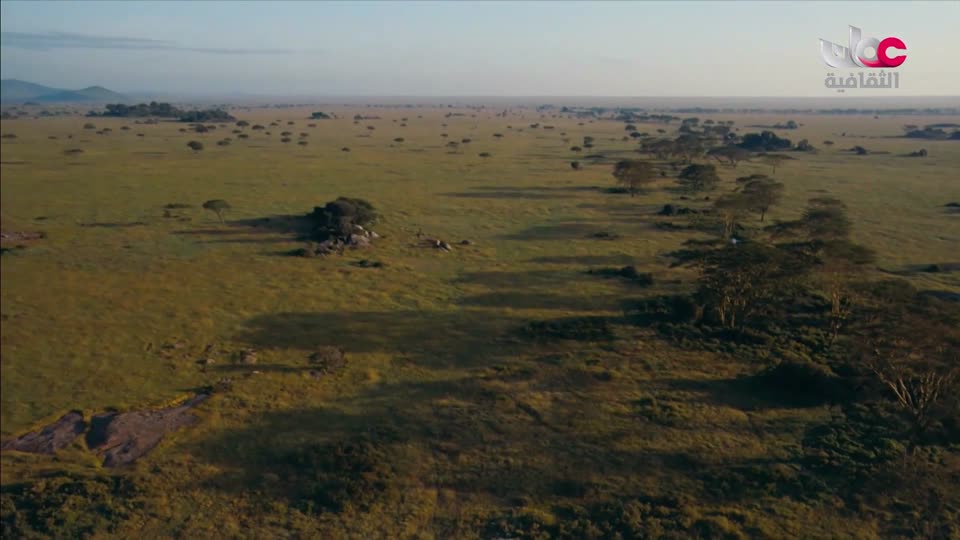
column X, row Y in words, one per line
column 17, row 90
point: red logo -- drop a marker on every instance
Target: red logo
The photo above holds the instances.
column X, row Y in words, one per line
column 883, row 54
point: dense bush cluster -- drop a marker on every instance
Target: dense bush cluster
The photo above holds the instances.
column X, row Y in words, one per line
column 340, row 218
column 162, row 110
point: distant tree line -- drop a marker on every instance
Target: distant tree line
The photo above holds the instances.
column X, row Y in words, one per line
column 162, row 110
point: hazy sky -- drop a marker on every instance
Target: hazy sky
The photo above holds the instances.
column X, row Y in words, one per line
column 467, row 48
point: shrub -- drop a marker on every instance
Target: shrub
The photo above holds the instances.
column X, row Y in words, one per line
column 336, row 477
column 67, row 506
column 339, row 218
column 329, row 359
column 804, row 381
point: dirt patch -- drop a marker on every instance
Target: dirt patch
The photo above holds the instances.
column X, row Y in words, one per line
column 51, row 438
column 122, row 438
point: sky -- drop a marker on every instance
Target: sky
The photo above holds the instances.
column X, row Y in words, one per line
column 454, row 48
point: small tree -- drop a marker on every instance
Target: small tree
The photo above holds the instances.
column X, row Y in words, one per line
column 218, row 207
column 575, row 165
column 633, row 174
column 196, row 146
column 774, row 160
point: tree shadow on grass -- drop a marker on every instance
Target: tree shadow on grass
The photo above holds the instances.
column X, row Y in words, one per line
column 465, row 435
column 461, row 339
column 587, row 260
column 521, row 192
column 276, row 228
column 517, row 299
column 756, row 392
column 925, row 268
column 521, row 280
column 559, row 231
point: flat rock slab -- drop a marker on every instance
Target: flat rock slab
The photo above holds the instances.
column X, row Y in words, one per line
column 122, row 438
column 51, row 438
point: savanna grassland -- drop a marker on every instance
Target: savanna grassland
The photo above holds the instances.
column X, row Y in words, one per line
column 457, row 415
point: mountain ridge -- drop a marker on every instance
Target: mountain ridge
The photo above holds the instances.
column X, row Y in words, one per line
column 19, row 90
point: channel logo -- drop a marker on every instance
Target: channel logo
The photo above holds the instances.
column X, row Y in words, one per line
column 884, row 54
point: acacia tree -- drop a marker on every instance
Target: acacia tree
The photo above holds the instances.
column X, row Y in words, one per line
column 823, row 233
column 196, row 146
column 761, row 192
column 740, row 281
column 731, row 208
column 732, row 154
column 661, row 148
column 689, row 146
column 218, row 207
column 634, row 173
column 911, row 352
column 697, row 178
column 775, row 160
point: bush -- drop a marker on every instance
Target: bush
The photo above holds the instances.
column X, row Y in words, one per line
column 66, row 506
column 329, row 359
column 336, row 477
column 804, row 381
column 340, row 218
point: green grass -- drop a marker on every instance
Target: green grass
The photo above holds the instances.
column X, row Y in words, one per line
column 475, row 420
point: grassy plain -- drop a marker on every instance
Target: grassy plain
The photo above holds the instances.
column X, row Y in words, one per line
column 472, row 421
